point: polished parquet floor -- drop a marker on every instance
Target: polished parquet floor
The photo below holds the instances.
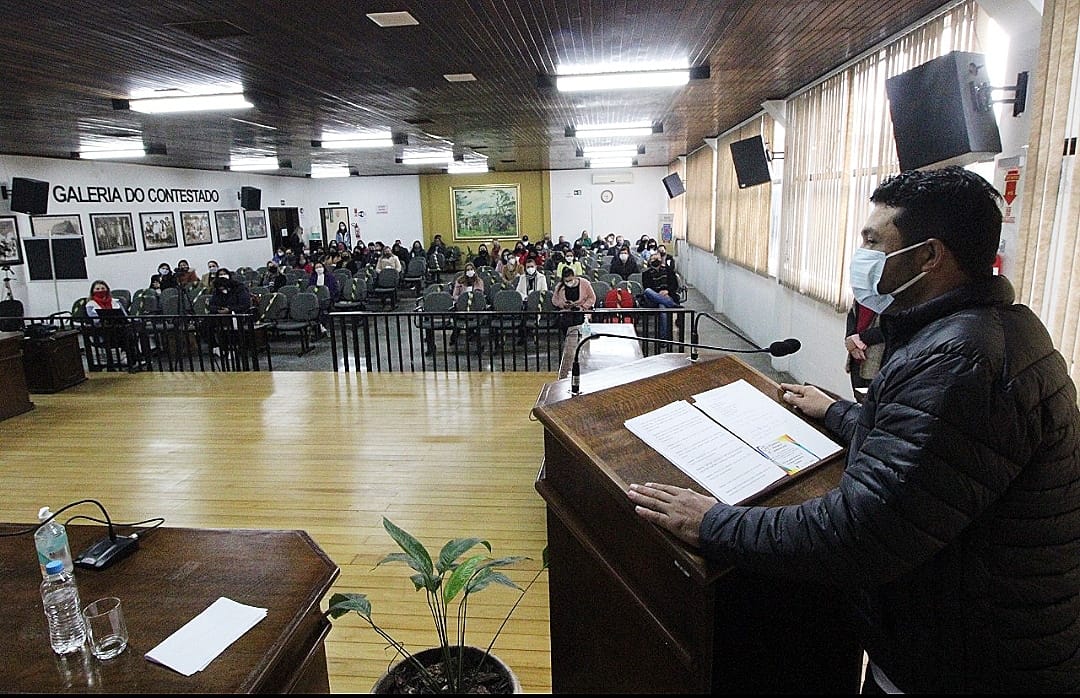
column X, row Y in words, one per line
column 441, row 455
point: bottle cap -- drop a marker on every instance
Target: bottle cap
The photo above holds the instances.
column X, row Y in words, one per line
column 54, row 567
column 43, row 513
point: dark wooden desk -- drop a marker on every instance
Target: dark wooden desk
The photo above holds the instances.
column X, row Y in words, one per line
column 632, row 609
column 174, row 575
column 14, row 396
column 53, row 363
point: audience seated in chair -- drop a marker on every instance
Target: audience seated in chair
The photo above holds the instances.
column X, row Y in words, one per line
column 661, row 289
column 573, row 295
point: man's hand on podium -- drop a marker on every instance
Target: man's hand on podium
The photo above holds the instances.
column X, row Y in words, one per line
column 676, row 509
column 807, row 399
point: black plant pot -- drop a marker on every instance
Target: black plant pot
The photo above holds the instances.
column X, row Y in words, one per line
column 494, row 675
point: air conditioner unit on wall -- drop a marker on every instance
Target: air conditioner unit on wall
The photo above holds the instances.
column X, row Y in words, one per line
column 613, row 178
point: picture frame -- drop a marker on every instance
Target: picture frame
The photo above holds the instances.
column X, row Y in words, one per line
column 112, row 233
column 67, row 226
column 196, row 227
column 485, row 212
column 11, row 253
column 158, row 230
column 255, row 224
column 228, row 225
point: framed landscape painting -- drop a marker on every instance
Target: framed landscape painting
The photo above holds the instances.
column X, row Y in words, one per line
column 69, row 226
column 196, row 227
column 10, row 249
column 486, row 211
column 112, row 233
column 158, row 230
column 255, row 222
column 228, row 225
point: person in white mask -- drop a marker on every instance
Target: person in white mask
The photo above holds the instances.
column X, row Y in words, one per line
column 955, row 527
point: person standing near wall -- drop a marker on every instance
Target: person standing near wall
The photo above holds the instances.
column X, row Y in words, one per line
column 865, row 345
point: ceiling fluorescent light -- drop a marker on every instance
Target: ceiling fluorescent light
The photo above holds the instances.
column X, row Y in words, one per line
column 328, row 171
column 381, row 141
column 430, row 159
column 165, row 105
column 253, row 164
column 467, row 168
column 623, row 81
column 114, row 154
column 631, row 131
column 602, row 150
column 611, row 162
column 459, row 77
column 392, row 19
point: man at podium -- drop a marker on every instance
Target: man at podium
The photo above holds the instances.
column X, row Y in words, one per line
column 956, row 523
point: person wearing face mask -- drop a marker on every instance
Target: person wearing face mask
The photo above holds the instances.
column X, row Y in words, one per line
column 482, row 258
column 229, row 295
column 343, row 235
column 569, row 260
column 207, row 280
column 955, row 527
column 531, row 280
column 166, row 278
column 661, row 287
column 273, row 278
column 624, row 263
column 387, row 260
column 468, row 280
column 574, row 295
column 322, row 276
column 665, row 259
column 185, row 277
column 101, row 297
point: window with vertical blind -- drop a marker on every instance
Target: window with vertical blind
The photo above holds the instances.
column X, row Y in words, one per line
column 742, row 215
column 839, row 146
column 1047, row 276
column 699, row 198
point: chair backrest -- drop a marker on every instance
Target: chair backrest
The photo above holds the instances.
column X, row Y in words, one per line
column 611, row 279
column 600, row 288
column 437, row 261
column 344, row 276
column 146, row 301
column 170, row 301
column 633, row 286
column 304, row 306
column 276, row 308
column 78, row 308
column 201, row 305
column 432, row 288
column 387, row 279
column 471, row 300
column 123, row 295
column 437, row 302
column 506, row 300
column 289, row 290
column 322, row 292
column 417, row 268
column 637, row 278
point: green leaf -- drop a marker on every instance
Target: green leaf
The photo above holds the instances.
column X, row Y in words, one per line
column 455, row 549
column 340, row 604
column 486, row 577
column 545, row 558
column 460, row 576
column 412, row 547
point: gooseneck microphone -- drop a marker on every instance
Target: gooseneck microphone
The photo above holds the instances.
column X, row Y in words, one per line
column 779, row 348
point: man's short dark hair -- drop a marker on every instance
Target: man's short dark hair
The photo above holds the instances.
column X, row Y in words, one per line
column 952, row 204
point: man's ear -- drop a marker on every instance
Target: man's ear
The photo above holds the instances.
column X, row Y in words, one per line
column 937, row 254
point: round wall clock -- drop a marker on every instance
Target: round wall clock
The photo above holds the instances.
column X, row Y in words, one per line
column 606, row 196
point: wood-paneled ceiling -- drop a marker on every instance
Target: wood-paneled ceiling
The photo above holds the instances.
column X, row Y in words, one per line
column 322, row 66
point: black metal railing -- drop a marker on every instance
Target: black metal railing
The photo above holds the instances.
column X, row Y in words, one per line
column 485, row 340
column 164, row 342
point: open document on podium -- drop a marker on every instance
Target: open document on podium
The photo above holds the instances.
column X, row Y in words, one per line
column 734, row 440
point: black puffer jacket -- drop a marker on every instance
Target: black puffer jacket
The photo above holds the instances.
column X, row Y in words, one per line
column 956, row 524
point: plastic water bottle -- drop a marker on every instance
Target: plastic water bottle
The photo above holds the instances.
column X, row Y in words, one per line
column 52, row 542
column 63, row 610
column 585, row 330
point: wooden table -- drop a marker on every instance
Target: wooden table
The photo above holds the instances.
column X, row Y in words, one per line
column 14, row 396
column 174, row 575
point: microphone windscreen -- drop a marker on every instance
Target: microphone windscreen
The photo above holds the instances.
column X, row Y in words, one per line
column 784, row 348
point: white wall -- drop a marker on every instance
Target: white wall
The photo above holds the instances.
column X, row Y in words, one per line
column 632, row 212
column 767, row 311
column 132, row 270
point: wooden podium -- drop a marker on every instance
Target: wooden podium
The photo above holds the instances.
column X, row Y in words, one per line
column 633, row 609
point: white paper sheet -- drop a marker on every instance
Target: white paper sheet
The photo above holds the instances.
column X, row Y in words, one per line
column 725, row 466
column 766, row 425
column 204, row 637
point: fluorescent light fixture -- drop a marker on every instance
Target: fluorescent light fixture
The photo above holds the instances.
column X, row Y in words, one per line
column 467, row 168
column 113, row 154
column 329, row 171
column 392, row 19
column 634, row 130
column 623, row 80
column 183, row 103
column 459, row 77
column 428, row 159
column 338, row 142
column 612, row 150
column 602, row 163
column 254, row 164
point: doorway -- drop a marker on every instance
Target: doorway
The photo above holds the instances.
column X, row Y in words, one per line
column 282, row 220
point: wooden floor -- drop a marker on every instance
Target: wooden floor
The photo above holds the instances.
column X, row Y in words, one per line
column 442, row 456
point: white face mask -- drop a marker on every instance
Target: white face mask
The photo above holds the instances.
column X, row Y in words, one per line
column 866, row 268
column 470, row 273
column 624, row 257
column 530, row 270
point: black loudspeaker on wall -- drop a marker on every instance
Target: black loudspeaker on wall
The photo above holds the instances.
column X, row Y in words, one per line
column 751, row 164
column 937, row 118
column 29, row 196
column 674, row 185
column 250, row 198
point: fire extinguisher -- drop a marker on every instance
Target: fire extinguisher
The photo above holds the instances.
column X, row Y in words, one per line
column 997, row 265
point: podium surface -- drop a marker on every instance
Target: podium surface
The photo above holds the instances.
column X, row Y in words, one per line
column 635, row 610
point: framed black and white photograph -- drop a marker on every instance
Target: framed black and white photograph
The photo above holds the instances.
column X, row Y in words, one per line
column 196, row 227
column 112, row 233
column 158, row 230
column 255, row 222
column 10, row 249
column 228, row 225
column 69, row 226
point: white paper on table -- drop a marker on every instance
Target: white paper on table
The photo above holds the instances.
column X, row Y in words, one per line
column 766, row 425
column 725, row 466
column 204, row 637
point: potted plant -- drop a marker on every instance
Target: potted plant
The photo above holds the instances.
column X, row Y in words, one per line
column 452, row 666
